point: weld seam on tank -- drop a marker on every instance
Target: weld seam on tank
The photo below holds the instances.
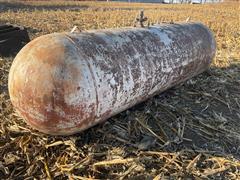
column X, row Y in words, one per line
column 90, row 69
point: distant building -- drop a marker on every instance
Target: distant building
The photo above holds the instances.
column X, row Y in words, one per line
column 205, row 1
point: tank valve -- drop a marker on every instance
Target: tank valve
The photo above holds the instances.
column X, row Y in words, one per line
column 139, row 22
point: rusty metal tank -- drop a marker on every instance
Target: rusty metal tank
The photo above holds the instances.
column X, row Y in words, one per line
column 64, row 83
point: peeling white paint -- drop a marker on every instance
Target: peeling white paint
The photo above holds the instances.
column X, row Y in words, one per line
column 163, row 35
column 113, row 82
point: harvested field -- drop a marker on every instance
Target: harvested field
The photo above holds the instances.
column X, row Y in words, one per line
column 190, row 131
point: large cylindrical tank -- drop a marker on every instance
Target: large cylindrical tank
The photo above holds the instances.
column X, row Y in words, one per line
column 63, row 83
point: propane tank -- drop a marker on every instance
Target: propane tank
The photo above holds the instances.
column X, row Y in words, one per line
column 64, row 83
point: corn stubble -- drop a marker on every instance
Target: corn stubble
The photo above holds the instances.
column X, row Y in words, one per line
column 190, row 131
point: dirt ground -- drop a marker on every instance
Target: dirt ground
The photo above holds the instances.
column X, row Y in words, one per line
column 189, row 131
